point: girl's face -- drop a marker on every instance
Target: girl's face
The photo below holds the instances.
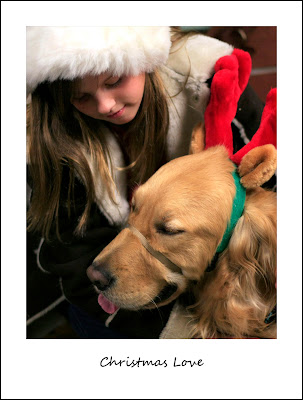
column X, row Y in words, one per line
column 109, row 98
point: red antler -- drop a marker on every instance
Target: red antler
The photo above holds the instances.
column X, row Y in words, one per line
column 267, row 132
column 231, row 77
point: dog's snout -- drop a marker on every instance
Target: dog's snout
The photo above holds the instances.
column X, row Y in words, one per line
column 100, row 276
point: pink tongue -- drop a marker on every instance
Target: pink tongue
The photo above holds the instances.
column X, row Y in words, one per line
column 107, row 306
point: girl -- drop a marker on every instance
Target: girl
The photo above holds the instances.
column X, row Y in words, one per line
column 108, row 106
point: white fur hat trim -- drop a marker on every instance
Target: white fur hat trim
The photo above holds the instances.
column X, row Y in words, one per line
column 71, row 52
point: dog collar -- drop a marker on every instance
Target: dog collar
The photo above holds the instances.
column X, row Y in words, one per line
column 237, row 211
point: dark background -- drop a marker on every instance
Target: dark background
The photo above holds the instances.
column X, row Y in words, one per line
column 261, row 43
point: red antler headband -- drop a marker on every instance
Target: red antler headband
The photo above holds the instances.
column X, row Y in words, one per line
column 231, row 77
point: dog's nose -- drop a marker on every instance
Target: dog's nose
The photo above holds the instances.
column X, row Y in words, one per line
column 100, row 276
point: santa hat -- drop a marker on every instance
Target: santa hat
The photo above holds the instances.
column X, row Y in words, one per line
column 71, row 52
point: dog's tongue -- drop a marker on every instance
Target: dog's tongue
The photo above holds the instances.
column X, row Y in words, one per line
column 106, row 305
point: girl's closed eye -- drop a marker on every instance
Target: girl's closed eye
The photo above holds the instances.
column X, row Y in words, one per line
column 113, row 82
column 81, row 99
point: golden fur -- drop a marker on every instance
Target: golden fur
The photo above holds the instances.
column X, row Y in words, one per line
column 183, row 211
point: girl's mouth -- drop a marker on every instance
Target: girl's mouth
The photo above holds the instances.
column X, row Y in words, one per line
column 117, row 114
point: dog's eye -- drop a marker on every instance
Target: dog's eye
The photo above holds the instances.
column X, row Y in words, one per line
column 165, row 230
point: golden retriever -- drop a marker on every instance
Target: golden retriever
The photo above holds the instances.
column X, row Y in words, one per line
column 177, row 220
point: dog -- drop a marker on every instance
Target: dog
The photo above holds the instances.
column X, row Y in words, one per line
column 169, row 247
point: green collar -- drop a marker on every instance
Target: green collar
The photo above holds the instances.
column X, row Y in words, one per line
column 237, row 210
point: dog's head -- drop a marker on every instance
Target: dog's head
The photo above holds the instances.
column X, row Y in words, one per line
column 182, row 212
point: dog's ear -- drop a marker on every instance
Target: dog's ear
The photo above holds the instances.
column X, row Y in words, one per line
column 252, row 254
column 258, row 166
column 255, row 233
column 197, row 139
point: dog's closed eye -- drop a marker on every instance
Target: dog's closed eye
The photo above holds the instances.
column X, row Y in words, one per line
column 167, row 230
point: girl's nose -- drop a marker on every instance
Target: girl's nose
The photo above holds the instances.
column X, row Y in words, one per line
column 105, row 103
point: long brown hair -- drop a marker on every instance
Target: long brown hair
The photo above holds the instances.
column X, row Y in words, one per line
column 55, row 130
